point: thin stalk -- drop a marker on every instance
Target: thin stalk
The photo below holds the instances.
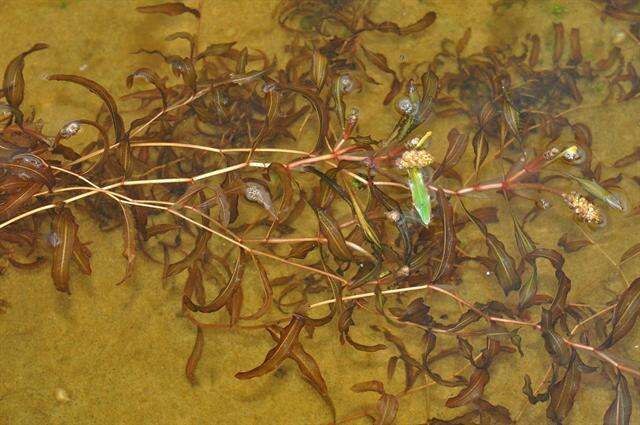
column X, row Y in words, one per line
column 592, row 350
column 588, row 319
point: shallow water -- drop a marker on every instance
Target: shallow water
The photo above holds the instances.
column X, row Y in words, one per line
column 119, row 351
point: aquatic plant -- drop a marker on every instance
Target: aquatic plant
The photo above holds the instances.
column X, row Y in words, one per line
column 203, row 166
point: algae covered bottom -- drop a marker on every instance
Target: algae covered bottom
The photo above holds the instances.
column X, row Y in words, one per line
column 455, row 278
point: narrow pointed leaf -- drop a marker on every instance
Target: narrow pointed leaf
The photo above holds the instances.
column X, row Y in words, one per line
column 448, row 237
column 523, row 240
column 420, row 195
column 279, row 353
column 194, row 357
column 573, row 245
column 226, row 293
column 129, row 238
column 65, row 230
column 387, row 409
column 308, row 367
column 13, row 82
column 472, row 392
column 600, row 192
column 529, row 289
column 630, row 253
column 335, row 240
column 266, row 289
column 512, row 118
column 563, row 392
column 505, row 269
column 319, row 68
column 358, row 211
column 480, row 149
column 625, row 314
column 619, row 412
column 170, row 8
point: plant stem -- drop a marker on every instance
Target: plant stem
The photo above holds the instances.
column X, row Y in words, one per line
column 594, row 351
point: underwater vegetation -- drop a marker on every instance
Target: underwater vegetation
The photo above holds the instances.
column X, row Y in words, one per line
column 354, row 225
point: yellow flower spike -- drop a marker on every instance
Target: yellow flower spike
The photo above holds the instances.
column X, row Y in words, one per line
column 420, row 143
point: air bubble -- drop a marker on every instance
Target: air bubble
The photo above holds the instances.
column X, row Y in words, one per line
column 70, row 130
column 411, row 88
column 61, row 395
column 413, row 143
column 543, row 204
column 346, row 83
column 618, row 37
column 574, row 155
column 54, row 239
column 617, row 201
column 392, row 215
column 405, row 105
column 353, row 116
column 29, row 160
column 267, row 87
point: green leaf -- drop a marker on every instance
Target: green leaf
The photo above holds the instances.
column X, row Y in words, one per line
column 420, row 195
column 599, row 192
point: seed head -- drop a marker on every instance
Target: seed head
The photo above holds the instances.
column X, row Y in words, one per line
column 551, row 153
column 416, row 158
column 584, row 209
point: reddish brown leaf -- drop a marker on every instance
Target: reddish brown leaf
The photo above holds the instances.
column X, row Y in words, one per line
column 129, row 238
column 625, row 314
column 228, row 291
column 63, row 237
column 13, row 82
column 387, row 409
column 576, row 51
column 301, row 250
column 335, row 239
column 619, row 412
column 464, row 40
column 448, row 237
column 82, row 256
column 14, row 202
column 455, row 149
column 374, row 386
column 563, row 392
column 266, row 289
column 627, row 160
column 424, row 22
column 29, row 167
column 308, row 368
column 472, row 392
column 572, row 246
column 170, row 8
column 195, row 356
column 630, row 253
column 558, row 44
column 279, row 353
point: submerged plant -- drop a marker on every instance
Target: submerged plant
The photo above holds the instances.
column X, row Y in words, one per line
column 202, row 182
